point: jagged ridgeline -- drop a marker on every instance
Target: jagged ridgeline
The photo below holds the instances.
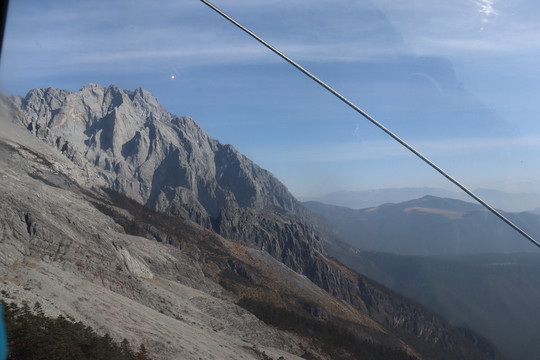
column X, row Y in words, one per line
column 116, row 213
column 154, row 157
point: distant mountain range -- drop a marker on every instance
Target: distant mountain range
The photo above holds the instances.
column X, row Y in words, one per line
column 116, row 213
column 429, row 226
column 370, row 198
column 495, row 294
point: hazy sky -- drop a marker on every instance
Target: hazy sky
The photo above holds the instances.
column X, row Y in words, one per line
column 458, row 79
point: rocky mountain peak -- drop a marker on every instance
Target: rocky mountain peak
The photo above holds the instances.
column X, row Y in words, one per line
column 145, row 99
column 159, row 159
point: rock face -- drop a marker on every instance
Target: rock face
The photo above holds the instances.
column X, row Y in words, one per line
column 66, row 241
column 291, row 242
column 154, row 157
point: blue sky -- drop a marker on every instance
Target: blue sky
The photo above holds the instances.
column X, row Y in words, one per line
column 458, row 80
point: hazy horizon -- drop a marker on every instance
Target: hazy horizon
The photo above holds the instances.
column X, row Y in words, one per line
column 361, row 199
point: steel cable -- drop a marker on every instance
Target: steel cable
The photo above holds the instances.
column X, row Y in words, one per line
column 376, row 123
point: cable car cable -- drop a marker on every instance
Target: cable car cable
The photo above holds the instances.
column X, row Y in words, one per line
column 376, row 123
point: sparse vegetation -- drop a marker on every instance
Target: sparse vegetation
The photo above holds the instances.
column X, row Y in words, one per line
column 175, row 230
column 32, row 335
column 337, row 341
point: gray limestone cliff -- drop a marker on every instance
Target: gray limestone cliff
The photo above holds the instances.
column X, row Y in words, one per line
column 154, row 157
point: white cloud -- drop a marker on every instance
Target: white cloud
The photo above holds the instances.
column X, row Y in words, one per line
column 479, row 144
column 465, row 28
column 486, row 8
column 82, row 36
column 380, row 149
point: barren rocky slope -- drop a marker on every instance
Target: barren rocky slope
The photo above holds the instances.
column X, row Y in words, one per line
column 231, row 235
column 58, row 249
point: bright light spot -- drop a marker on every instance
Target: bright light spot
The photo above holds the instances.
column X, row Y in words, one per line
column 172, row 77
column 486, row 8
